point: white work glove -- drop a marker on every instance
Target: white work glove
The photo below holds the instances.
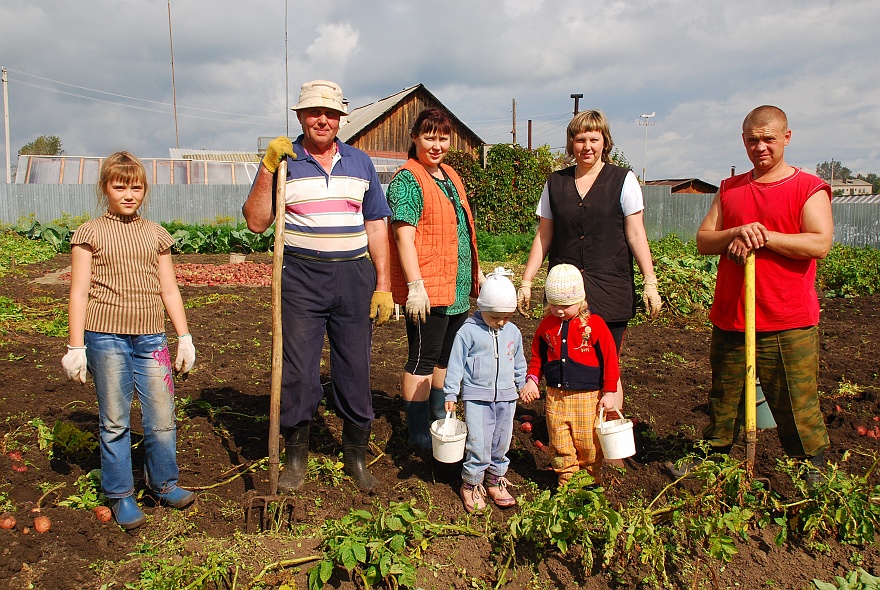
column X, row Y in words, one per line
column 186, row 354
column 74, row 363
column 651, row 297
column 524, row 297
column 418, row 307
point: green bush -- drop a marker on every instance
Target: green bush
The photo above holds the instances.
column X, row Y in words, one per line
column 849, row 271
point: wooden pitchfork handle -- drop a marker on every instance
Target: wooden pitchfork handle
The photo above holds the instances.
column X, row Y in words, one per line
column 277, row 342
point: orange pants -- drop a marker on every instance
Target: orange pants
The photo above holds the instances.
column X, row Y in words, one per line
column 571, row 423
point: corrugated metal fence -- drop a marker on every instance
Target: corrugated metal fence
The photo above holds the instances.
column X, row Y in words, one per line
column 856, row 222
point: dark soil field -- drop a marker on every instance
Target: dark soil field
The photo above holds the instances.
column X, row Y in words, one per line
column 223, row 431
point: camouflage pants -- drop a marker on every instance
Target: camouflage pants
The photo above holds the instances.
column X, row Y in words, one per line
column 787, row 363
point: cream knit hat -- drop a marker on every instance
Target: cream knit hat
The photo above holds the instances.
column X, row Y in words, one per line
column 322, row 94
column 497, row 294
column 564, row 285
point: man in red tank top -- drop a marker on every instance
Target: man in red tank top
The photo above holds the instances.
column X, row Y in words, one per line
column 783, row 215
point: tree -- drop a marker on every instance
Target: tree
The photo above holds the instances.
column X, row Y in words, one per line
column 44, row 145
column 841, row 172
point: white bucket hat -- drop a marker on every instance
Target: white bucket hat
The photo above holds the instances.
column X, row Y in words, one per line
column 322, row 94
column 497, row 294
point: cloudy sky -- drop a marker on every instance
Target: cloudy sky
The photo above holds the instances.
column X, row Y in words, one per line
column 98, row 73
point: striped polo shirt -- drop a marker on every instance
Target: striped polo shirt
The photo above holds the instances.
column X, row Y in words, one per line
column 325, row 213
column 124, row 293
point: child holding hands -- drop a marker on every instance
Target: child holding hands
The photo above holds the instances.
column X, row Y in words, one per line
column 488, row 366
column 121, row 279
column 575, row 352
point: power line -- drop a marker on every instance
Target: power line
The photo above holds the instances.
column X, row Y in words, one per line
column 165, row 104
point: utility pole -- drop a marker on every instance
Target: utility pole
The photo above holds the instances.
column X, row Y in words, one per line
column 513, row 131
column 6, row 126
column 173, row 87
column 576, row 98
column 530, row 135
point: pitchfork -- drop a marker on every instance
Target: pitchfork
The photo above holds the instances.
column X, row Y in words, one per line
column 273, row 509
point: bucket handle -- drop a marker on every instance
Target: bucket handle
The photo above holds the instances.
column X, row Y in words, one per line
column 448, row 428
column 602, row 414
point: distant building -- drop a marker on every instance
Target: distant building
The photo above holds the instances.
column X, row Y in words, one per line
column 851, row 187
column 685, row 185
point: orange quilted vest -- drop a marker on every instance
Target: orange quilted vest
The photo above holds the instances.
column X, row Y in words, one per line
column 436, row 240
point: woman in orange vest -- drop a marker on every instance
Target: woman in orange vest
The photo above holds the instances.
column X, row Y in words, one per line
column 434, row 266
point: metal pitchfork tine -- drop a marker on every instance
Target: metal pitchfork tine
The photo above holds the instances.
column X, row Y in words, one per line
column 274, row 509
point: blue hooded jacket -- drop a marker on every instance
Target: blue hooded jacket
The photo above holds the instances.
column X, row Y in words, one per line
column 485, row 364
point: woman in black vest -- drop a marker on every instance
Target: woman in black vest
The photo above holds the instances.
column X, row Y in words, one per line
column 590, row 216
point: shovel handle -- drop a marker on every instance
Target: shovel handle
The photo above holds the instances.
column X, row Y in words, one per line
column 277, row 342
column 751, row 409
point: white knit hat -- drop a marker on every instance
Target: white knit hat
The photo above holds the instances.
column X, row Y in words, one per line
column 564, row 285
column 497, row 294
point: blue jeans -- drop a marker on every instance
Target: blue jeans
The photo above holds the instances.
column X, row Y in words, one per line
column 121, row 364
column 490, row 428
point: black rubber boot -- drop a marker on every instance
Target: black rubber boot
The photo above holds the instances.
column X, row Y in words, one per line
column 354, row 452
column 418, row 424
column 813, row 474
column 297, row 449
column 438, row 403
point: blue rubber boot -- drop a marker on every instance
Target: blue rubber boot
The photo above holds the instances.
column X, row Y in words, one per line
column 127, row 513
column 176, row 498
column 418, row 423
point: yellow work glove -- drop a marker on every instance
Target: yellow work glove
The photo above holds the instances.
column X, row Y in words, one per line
column 278, row 148
column 651, row 297
column 381, row 305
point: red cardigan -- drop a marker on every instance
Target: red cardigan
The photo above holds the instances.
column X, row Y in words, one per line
column 575, row 357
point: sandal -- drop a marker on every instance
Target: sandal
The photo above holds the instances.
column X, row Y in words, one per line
column 473, row 497
column 497, row 491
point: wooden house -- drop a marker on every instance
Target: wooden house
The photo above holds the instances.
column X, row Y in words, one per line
column 685, row 185
column 382, row 128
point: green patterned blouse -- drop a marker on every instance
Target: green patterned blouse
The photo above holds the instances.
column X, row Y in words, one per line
column 406, row 202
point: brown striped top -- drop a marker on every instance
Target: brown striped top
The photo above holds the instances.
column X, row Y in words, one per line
column 124, row 294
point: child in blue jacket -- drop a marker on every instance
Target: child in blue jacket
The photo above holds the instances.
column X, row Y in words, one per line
column 488, row 367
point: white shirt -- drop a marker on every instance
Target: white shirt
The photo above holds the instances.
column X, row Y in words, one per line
column 631, row 200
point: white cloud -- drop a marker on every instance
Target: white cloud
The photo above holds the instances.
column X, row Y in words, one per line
column 700, row 65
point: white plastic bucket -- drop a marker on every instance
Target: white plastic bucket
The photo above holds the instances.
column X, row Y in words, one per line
column 448, row 439
column 616, row 437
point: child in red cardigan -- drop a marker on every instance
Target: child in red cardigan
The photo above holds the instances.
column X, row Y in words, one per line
column 575, row 352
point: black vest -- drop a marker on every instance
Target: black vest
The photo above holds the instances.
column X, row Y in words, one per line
column 589, row 234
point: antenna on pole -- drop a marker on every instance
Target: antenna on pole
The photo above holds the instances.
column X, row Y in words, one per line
column 173, row 86
column 646, row 121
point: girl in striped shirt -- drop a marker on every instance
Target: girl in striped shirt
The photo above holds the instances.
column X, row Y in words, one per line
column 122, row 283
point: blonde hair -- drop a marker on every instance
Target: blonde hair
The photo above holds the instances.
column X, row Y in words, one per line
column 765, row 115
column 583, row 313
column 584, row 121
column 123, row 167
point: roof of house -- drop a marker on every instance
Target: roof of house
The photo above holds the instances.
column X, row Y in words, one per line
column 360, row 118
column 683, row 183
column 213, row 155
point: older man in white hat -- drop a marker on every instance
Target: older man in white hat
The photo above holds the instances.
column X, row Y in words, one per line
column 335, row 216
